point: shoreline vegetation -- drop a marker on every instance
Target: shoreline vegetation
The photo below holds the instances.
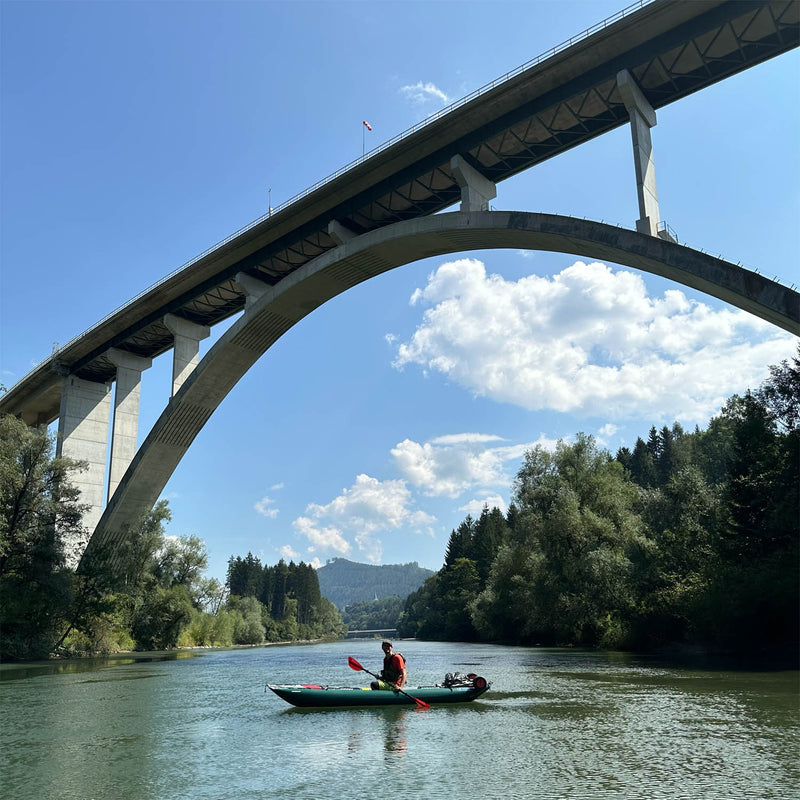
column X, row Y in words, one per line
column 687, row 541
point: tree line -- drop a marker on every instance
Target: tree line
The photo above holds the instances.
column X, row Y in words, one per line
column 688, row 538
column 147, row 592
column 284, row 601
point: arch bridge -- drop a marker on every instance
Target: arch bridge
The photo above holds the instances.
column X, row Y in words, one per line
column 380, row 212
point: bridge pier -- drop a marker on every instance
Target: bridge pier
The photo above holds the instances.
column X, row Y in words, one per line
column 83, row 435
column 125, row 423
column 476, row 190
column 185, row 354
column 253, row 288
column 642, row 117
column 339, row 233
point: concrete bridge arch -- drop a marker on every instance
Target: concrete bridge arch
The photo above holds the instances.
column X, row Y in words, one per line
column 273, row 310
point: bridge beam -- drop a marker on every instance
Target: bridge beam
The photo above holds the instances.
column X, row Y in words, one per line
column 125, row 423
column 476, row 190
column 185, row 354
column 642, row 117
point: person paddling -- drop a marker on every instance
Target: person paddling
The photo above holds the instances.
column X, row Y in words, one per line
column 393, row 675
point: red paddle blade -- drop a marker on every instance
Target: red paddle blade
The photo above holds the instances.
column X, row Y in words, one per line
column 353, row 664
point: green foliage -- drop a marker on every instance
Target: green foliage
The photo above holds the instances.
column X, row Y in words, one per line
column 285, row 597
column 147, row 592
column 161, row 616
column 40, row 519
column 688, row 538
column 373, row 615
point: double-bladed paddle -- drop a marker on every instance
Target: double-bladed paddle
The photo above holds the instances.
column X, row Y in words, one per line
column 358, row 668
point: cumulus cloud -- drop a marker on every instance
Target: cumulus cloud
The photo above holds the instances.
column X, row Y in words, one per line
column 423, row 92
column 589, row 340
column 476, row 505
column 288, row 553
column 263, row 507
column 321, row 537
column 365, row 510
column 605, row 433
column 448, row 466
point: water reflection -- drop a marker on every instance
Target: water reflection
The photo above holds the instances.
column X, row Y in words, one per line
column 71, row 666
column 395, row 732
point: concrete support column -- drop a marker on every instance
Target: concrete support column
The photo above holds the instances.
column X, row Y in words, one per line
column 186, row 349
column 476, row 190
column 339, row 233
column 83, row 435
column 643, row 117
column 125, row 423
column 253, row 288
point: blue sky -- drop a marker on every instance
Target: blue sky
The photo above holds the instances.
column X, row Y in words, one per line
column 136, row 135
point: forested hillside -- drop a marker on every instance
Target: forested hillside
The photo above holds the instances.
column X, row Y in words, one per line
column 345, row 582
column 689, row 538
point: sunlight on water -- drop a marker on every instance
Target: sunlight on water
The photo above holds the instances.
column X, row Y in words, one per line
column 555, row 724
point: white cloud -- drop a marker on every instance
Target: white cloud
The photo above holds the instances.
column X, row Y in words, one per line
column 263, row 507
column 423, row 92
column 605, row 433
column 324, row 538
column 288, row 553
column 589, row 341
column 475, row 506
column 277, row 486
column 369, row 507
column 448, row 466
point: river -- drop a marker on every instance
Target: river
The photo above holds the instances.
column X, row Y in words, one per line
column 556, row 723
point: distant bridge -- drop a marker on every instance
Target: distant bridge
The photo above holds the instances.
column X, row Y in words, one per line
column 381, row 212
column 376, row 633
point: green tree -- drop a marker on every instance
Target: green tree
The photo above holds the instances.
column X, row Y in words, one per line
column 461, row 541
column 586, row 548
column 490, row 533
column 40, row 519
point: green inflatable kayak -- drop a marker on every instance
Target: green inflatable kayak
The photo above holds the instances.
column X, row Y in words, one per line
column 313, row 696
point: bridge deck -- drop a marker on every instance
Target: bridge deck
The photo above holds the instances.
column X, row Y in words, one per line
column 671, row 47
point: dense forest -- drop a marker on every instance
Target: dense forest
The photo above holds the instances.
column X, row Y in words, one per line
column 374, row 614
column 147, row 594
column 346, row 582
column 690, row 538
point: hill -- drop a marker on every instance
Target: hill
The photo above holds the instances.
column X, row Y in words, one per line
column 345, row 582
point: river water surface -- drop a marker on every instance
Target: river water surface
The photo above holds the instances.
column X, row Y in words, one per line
column 555, row 724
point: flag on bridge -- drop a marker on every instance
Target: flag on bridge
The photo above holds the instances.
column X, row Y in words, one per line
column 367, row 125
